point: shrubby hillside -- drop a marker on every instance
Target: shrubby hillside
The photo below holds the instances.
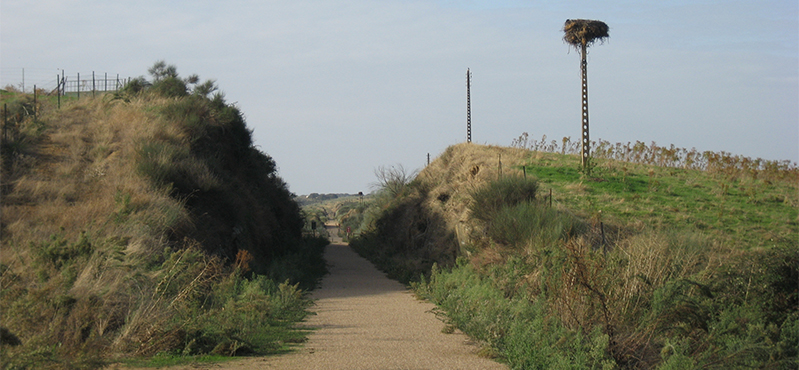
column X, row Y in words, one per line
column 647, row 261
column 145, row 222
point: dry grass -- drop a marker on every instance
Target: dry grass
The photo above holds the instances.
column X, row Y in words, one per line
column 80, row 183
column 461, row 169
column 80, row 167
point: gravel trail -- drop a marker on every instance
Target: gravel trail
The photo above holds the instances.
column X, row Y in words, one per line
column 366, row 321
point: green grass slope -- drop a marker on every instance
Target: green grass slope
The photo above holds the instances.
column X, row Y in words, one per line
column 142, row 223
column 643, row 263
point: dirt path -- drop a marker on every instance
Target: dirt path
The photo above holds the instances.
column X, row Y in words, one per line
column 367, row 321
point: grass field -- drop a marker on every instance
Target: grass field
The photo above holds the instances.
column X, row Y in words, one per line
column 744, row 211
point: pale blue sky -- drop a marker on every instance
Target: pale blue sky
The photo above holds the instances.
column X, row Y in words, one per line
column 335, row 89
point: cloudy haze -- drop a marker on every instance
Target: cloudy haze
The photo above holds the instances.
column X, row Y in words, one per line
column 335, row 89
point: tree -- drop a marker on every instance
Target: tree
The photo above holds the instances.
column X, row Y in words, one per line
column 582, row 33
column 160, row 70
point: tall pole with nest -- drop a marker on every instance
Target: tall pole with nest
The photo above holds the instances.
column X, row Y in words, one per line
column 582, row 33
column 468, row 106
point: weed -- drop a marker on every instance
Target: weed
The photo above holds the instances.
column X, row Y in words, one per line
column 394, row 179
column 508, row 191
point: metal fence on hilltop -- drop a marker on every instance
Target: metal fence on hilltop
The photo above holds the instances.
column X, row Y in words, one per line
column 77, row 85
column 62, row 85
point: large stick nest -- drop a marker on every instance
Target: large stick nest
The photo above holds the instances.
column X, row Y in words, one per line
column 584, row 32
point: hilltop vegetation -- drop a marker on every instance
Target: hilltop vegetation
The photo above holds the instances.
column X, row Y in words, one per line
column 641, row 263
column 145, row 222
column 320, row 198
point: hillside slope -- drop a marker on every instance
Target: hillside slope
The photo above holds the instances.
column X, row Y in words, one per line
column 738, row 207
column 632, row 266
column 144, row 222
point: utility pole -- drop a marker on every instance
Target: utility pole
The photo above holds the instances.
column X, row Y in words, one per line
column 582, row 33
column 468, row 106
column 585, row 150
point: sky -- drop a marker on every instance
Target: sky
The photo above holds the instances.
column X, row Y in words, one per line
column 334, row 90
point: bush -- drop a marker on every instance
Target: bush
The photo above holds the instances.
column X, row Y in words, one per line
column 532, row 225
column 519, row 326
column 509, row 191
column 247, row 319
column 134, row 87
column 173, row 166
column 393, row 180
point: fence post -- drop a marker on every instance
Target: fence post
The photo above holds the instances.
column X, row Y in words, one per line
column 604, row 242
column 58, row 90
column 93, row 87
column 78, row 85
column 499, row 172
column 34, row 102
column 106, row 82
column 5, row 121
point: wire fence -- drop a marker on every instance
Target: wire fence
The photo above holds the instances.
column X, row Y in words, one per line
column 61, row 83
column 96, row 84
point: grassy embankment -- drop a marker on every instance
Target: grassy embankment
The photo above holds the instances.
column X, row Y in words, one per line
column 145, row 223
column 640, row 264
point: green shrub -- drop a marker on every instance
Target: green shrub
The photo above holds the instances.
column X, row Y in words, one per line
column 58, row 251
column 532, row 224
column 170, row 87
column 134, row 87
column 303, row 264
column 252, row 319
column 508, row 191
column 526, row 335
column 216, row 311
column 471, row 303
column 169, row 165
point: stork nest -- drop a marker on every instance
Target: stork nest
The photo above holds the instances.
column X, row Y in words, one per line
column 584, row 32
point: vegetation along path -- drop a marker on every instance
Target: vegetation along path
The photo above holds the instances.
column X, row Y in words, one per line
column 366, row 321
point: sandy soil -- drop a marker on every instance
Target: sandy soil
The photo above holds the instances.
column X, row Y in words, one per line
column 367, row 321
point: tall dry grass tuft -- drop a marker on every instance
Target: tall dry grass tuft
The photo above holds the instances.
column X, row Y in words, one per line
column 650, row 260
